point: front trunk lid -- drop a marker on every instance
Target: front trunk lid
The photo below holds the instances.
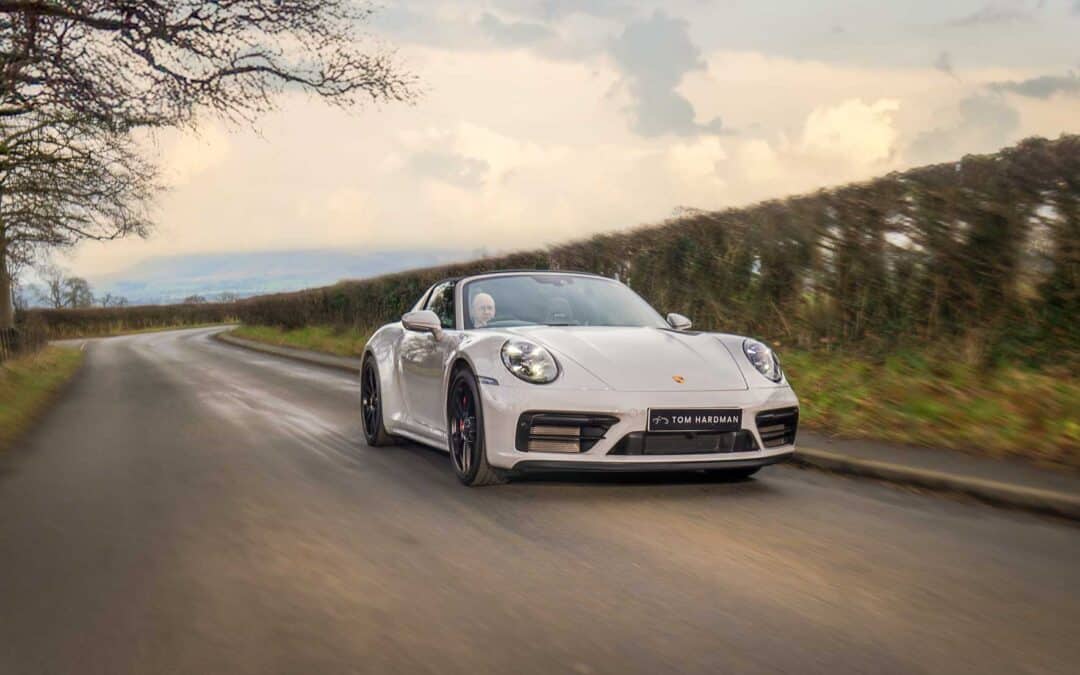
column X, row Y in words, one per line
column 643, row 359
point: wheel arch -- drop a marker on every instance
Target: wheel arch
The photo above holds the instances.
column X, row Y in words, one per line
column 482, row 473
column 480, row 354
column 459, row 361
column 382, row 347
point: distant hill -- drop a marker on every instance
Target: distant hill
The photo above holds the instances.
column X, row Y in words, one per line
column 173, row 278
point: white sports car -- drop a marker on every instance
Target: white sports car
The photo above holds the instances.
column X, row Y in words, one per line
column 530, row 370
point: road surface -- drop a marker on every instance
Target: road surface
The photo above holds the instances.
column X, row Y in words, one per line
column 192, row 507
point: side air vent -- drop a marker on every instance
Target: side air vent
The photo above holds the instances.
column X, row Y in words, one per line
column 561, row 432
column 777, row 427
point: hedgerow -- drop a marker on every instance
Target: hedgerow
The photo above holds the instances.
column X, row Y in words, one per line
column 984, row 252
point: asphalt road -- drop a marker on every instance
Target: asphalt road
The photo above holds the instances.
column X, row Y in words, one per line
column 191, row 507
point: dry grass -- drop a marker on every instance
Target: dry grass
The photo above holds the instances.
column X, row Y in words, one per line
column 28, row 383
column 934, row 401
column 341, row 342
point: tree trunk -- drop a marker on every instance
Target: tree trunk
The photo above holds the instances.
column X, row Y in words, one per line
column 7, row 306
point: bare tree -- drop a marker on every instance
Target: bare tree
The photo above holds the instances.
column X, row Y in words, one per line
column 51, row 293
column 138, row 62
column 110, row 300
column 20, row 293
column 62, row 182
column 20, row 298
column 195, row 300
column 77, row 293
column 59, row 290
column 74, row 72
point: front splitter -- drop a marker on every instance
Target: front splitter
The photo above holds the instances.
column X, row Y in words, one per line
column 548, row 465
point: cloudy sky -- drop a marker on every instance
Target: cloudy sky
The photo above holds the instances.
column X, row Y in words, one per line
column 545, row 120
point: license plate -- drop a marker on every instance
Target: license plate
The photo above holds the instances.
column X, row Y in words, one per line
column 694, row 419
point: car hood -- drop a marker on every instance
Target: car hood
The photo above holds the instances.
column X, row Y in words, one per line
column 643, row 359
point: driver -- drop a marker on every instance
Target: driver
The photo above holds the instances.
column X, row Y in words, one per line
column 483, row 309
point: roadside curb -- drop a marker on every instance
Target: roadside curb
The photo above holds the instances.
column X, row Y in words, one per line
column 340, row 363
column 993, row 492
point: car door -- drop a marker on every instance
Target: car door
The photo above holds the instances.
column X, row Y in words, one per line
column 423, row 362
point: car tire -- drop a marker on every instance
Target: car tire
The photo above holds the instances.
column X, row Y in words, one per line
column 371, row 409
column 465, row 432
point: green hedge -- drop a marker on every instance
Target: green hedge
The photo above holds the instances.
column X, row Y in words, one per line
column 982, row 254
column 69, row 323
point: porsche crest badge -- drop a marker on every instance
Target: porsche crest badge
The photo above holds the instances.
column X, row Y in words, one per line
column 678, row 379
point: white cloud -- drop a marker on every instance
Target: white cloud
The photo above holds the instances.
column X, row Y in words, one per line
column 699, row 167
column 184, row 156
column 758, row 161
column 341, row 208
column 861, row 133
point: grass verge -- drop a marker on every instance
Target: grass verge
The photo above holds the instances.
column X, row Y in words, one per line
column 27, row 385
column 911, row 397
column 341, row 342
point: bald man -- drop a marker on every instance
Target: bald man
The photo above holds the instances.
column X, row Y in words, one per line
column 483, row 309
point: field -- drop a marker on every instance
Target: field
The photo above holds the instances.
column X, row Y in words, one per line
column 328, row 339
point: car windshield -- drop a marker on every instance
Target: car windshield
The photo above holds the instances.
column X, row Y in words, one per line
column 554, row 300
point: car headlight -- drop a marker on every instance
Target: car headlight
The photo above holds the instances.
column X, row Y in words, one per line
column 529, row 361
column 764, row 359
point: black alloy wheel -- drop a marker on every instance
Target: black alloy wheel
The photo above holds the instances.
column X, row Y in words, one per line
column 371, row 405
column 465, row 431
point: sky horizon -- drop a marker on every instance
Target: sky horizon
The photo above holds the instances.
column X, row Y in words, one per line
column 546, row 121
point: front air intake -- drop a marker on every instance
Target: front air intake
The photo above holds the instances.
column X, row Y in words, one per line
column 778, row 427
column 561, row 432
column 684, row 443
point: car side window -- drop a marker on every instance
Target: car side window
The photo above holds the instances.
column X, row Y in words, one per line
column 442, row 303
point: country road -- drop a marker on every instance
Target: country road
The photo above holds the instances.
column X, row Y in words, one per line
column 192, row 507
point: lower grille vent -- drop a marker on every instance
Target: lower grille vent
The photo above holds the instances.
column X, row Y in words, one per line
column 778, row 427
column 561, row 432
column 664, row 443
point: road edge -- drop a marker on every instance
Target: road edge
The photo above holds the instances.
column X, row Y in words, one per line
column 993, row 492
column 339, row 363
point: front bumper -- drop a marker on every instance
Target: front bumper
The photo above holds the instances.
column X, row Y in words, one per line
column 503, row 405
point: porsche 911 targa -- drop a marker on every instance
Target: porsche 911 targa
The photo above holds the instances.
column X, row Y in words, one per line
column 526, row 370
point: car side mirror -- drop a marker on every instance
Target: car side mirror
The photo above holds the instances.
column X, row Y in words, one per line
column 678, row 321
column 424, row 321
